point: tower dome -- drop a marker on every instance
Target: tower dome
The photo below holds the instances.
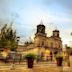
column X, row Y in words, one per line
column 56, row 33
column 41, row 27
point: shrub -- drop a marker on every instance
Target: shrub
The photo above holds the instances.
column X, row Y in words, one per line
column 59, row 56
column 30, row 55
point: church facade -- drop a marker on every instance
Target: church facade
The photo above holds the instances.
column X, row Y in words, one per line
column 44, row 45
column 53, row 43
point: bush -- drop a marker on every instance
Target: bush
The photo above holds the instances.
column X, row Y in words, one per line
column 59, row 56
column 30, row 55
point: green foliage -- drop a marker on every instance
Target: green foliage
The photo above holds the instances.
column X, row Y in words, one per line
column 59, row 56
column 30, row 55
column 8, row 38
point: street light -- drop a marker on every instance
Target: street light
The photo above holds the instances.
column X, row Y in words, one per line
column 18, row 41
column 13, row 66
column 17, row 45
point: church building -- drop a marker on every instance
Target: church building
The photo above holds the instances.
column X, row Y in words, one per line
column 44, row 45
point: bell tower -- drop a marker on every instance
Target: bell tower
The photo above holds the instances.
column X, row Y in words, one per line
column 40, row 35
column 56, row 33
column 40, row 30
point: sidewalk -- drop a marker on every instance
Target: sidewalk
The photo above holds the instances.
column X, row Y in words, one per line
column 38, row 68
column 41, row 69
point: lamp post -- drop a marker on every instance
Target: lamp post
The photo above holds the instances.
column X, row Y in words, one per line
column 17, row 41
column 15, row 50
column 13, row 66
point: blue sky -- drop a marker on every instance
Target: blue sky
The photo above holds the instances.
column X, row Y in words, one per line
column 27, row 14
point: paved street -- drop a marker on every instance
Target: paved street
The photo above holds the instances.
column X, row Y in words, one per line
column 38, row 67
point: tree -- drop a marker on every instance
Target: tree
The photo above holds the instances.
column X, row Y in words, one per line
column 8, row 38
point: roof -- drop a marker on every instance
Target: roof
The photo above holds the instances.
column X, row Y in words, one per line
column 55, row 30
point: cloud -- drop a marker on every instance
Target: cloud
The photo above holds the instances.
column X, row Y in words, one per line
column 27, row 14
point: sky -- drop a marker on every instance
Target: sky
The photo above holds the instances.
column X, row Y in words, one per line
column 27, row 14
